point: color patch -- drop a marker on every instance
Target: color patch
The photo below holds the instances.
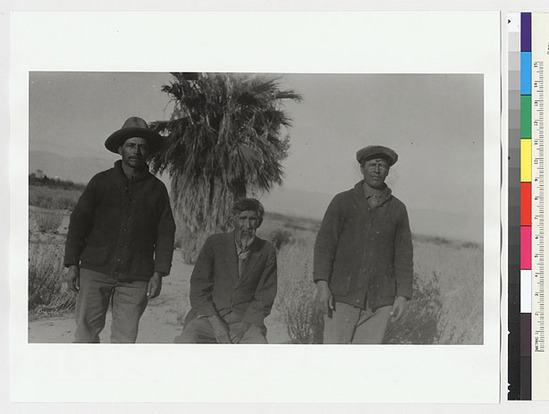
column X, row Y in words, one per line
column 526, row 116
column 525, row 347
column 525, row 292
column 526, row 73
column 526, row 160
column 525, row 248
column 525, row 204
column 526, row 32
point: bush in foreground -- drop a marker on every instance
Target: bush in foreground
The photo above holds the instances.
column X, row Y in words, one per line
column 280, row 237
column 419, row 324
column 48, row 221
column 45, row 276
column 447, row 304
column 295, row 298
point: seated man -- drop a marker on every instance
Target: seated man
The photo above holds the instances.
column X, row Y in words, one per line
column 233, row 284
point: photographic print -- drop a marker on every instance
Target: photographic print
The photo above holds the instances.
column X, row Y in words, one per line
column 252, row 209
column 314, row 125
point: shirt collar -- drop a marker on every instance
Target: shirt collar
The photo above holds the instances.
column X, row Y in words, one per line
column 372, row 192
column 373, row 196
column 139, row 177
column 243, row 250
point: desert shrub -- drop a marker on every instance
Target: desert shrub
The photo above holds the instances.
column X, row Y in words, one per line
column 419, row 324
column 295, row 298
column 453, row 276
column 45, row 275
column 447, row 307
column 280, row 237
column 440, row 241
column 447, row 304
column 53, row 198
column 462, row 296
column 304, row 320
column 48, row 221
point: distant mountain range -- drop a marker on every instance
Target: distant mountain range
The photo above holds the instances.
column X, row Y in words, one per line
column 298, row 203
column 76, row 169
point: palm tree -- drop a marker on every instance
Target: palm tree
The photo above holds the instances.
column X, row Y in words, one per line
column 223, row 142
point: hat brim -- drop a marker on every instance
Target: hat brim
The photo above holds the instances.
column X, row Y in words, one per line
column 117, row 138
column 376, row 151
column 391, row 160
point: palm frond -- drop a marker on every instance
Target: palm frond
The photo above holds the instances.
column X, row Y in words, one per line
column 223, row 139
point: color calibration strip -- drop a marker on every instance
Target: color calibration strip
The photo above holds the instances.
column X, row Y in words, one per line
column 528, row 368
column 520, row 210
column 526, row 205
column 515, row 217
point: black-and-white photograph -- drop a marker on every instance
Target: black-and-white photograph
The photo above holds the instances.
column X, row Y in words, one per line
column 297, row 206
column 255, row 208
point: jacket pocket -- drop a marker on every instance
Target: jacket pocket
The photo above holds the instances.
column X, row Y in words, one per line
column 94, row 255
column 145, row 263
column 340, row 285
column 384, row 286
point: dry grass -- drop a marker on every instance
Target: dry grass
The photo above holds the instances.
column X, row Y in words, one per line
column 45, row 221
column 295, row 298
column 459, row 271
column 53, row 198
column 447, row 307
column 45, row 275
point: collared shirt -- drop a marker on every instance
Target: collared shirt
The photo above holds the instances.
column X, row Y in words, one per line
column 242, row 253
column 216, row 290
column 374, row 196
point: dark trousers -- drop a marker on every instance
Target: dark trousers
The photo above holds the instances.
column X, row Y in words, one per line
column 97, row 290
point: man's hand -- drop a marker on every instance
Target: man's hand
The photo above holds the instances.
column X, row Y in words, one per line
column 221, row 332
column 399, row 306
column 72, row 279
column 237, row 331
column 155, row 286
column 324, row 297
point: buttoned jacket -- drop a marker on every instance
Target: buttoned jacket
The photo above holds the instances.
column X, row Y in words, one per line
column 365, row 254
column 217, row 288
column 122, row 227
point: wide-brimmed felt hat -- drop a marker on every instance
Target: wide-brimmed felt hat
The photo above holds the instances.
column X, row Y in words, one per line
column 134, row 127
column 375, row 151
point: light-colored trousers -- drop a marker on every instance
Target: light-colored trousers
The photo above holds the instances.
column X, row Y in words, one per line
column 352, row 325
column 97, row 290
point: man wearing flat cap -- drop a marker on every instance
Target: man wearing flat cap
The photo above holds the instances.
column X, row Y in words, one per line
column 120, row 238
column 363, row 259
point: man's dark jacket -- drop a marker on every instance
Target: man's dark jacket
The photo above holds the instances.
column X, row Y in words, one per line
column 122, row 227
column 216, row 287
column 364, row 252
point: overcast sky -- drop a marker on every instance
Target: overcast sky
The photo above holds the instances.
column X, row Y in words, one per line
column 434, row 123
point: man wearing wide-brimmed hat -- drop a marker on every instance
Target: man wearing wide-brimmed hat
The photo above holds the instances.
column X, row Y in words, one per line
column 120, row 238
column 363, row 260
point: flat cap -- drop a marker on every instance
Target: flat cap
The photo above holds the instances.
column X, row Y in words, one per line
column 375, row 151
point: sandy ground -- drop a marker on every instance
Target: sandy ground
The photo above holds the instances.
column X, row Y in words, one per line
column 162, row 320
